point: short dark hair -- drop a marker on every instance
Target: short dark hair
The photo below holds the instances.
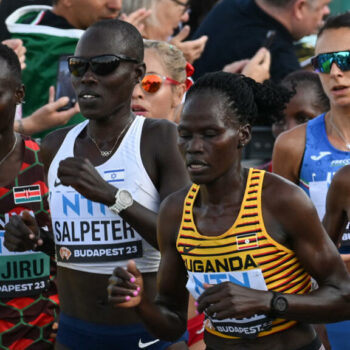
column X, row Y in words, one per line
column 14, row 66
column 335, row 22
column 250, row 102
column 310, row 81
column 131, row 35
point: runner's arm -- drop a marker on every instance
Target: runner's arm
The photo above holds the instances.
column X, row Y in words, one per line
column 288, row 152
column 166, row 317
column 337, row 204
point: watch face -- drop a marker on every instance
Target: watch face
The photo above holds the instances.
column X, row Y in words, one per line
column 280, row 304
column 125, row 197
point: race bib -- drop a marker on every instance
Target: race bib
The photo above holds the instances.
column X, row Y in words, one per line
column 23, row 274
column 88, row 232
column 248, row 327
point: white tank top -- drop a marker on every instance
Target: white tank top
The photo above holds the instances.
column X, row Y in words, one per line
column 88, row 236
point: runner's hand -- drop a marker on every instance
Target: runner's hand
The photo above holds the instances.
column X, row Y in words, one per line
column 229, row 300
column 125, row 287
column 80, row 174
column 22, row 233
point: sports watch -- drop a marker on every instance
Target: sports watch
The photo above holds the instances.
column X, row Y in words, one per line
column 123, row 200
column 278, row 304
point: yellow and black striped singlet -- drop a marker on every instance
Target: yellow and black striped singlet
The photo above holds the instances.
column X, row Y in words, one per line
column 245, row 254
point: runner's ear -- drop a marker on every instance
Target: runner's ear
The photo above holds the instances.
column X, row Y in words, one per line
column 245, row 135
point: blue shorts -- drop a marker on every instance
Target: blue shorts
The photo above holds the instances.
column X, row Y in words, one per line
column 339, row 335
column 76, row 334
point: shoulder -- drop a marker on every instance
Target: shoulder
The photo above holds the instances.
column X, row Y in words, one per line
column 284, row 194
column 170, row 216
column 288, row 153
column 343, row 174
column 341, row 180
column 162, row 126
column 292, row 140
column 172, row 206
column 159, row 132
column 52, row 142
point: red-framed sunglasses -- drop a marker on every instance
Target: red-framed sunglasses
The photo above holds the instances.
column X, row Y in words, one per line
column 151, row 83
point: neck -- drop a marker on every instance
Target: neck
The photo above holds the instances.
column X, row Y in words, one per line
column 226, row 189
column 109, row 128
column 278, row 13
column 338, row 129
column 340, row 112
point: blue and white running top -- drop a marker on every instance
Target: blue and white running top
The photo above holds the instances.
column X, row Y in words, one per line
column 320, row 162
column 89, row 237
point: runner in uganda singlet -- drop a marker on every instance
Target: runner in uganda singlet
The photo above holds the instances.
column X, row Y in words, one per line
column 246, row 255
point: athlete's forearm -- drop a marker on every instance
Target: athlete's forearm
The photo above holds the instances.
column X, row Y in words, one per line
column 144, row 221
column 325, row 305
column 48, row 246
column 161, row 321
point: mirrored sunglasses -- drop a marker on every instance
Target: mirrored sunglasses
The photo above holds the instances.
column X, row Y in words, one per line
column 101, row 65
column 323, row 62
column 151, row 83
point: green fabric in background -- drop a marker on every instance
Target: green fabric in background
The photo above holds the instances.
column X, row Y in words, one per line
column 338, row 6
column 45, row 45
column 41, row 70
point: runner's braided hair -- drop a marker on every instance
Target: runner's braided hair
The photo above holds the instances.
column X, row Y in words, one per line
column 250, row 102
column 306, row 80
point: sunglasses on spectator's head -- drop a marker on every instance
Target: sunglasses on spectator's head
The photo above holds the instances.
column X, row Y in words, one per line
column 323, row 62
column 151, row 83
column 101, row 65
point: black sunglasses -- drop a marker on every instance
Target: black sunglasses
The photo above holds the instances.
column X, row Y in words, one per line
column 101, row 65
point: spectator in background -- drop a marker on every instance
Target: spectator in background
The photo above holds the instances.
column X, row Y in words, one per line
column 199, row 10
column 165, row 18
column 257, row 68
column 237, row 29
column 160, row 92
column 46, row 117
column 49, row 34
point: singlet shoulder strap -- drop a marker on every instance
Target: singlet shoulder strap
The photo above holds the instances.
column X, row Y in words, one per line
column 251, row 205
column 187, row 223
